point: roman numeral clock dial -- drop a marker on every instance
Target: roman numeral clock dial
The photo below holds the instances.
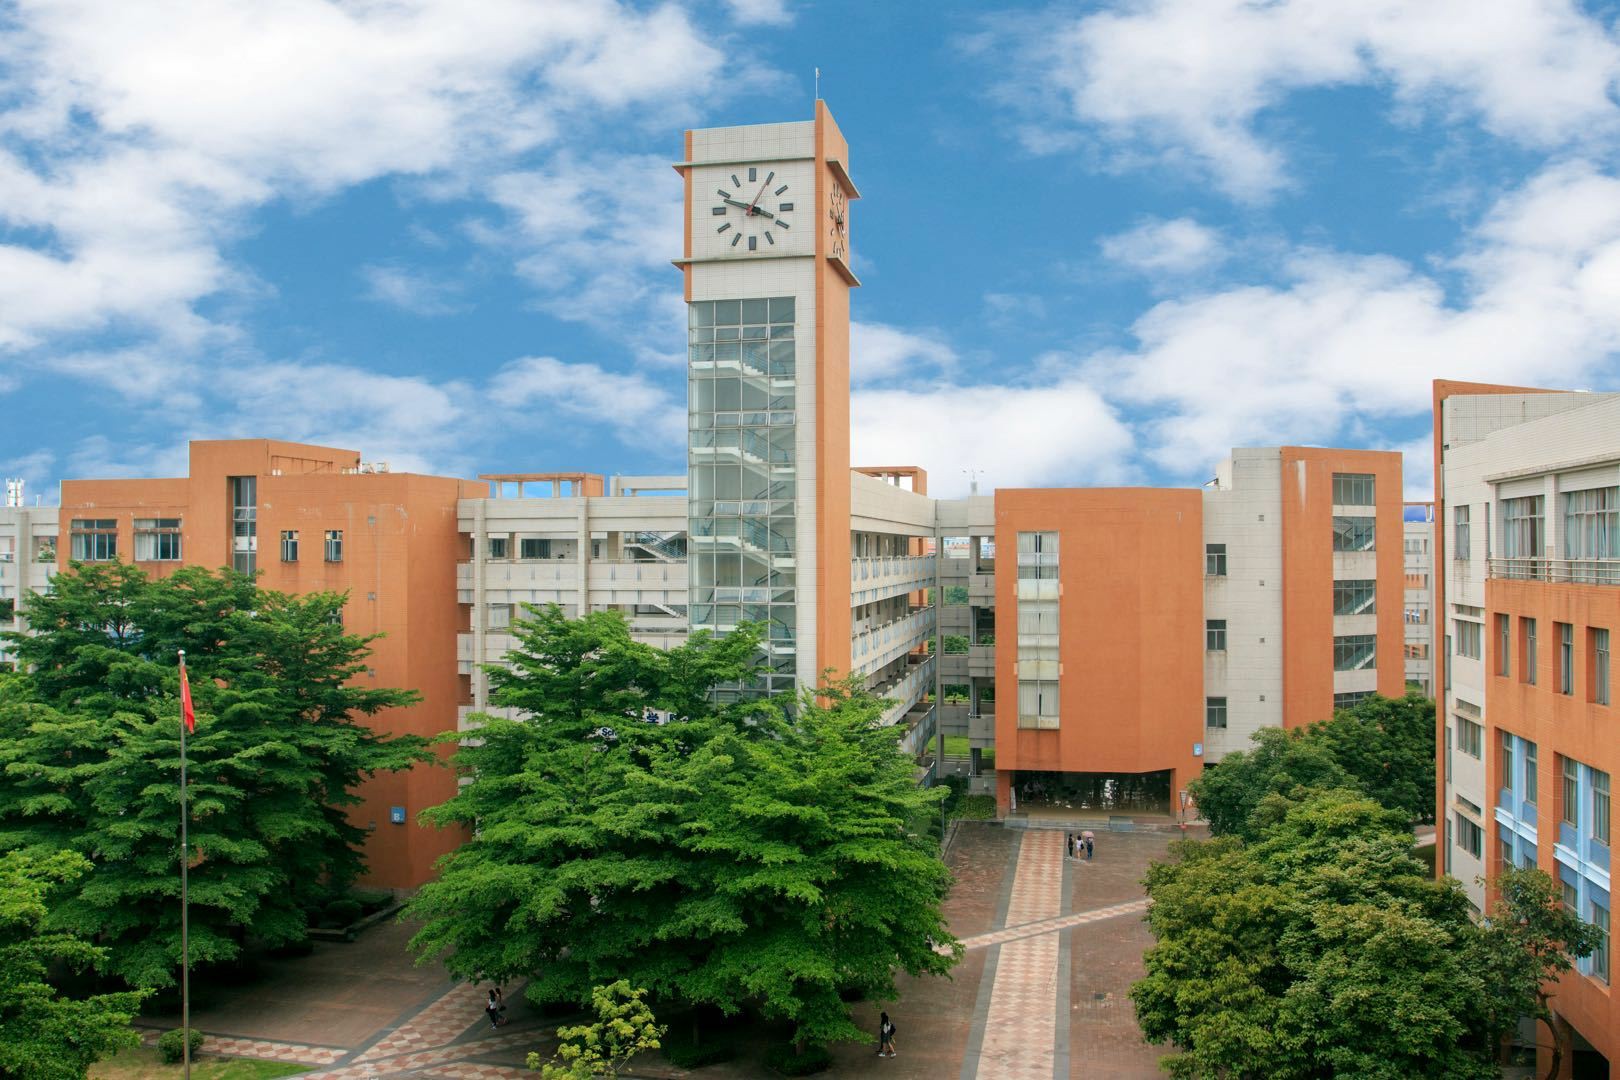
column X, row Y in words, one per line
column 756, row 208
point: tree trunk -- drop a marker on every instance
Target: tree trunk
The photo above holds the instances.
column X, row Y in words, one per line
column 1560, row 1040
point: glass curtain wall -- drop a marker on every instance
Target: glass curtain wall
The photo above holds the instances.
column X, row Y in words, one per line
column 742, row 476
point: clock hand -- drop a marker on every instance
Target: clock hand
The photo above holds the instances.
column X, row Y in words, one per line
column 758, row 195
column 745, row 206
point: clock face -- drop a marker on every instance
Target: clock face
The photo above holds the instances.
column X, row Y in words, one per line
column 753, row 209
column 838, row 214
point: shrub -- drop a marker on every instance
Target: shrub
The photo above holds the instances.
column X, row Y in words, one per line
column 342, row 912
column 686, row 1053
column 976, row 808
column 789, row 1062
column 372, row 900
column 171, row 1046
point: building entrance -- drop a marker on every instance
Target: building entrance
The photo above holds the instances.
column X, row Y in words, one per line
column 1101, row 793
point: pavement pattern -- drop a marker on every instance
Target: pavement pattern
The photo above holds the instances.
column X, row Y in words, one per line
column 1052, row 945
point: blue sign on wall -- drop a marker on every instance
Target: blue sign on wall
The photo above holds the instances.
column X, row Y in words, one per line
column 396, row 814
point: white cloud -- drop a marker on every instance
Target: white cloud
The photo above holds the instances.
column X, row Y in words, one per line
column 638, row 411
column 138, row 139
column 1191, row 78
column 760, row 12
column 1010, row 436
column 409, row 290
column 878, row 351
column 1348, row 338
column 1175, row 246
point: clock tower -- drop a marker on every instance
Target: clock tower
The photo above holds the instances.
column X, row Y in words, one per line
column 767, row 269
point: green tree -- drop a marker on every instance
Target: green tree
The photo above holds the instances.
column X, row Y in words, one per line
column 89, row 745
column 45, row 1035
column 1281, row 763
column 1387, row 745
column 1380, row 746
column 624, row 1027
column 1320, row 949
column 729, row 854
column 1528, row 945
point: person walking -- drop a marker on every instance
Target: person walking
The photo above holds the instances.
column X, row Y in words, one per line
column 492, row 1009
column 1068, row 844
column 886, row 1031
column 1090, row 840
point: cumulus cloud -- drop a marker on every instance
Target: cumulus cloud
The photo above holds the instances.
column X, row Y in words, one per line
column 1191, row 79
column 879, row 351
column 1345, row 338
column 1155, row 247
column 1009, row 436
column 639, row 411
column 409, row 290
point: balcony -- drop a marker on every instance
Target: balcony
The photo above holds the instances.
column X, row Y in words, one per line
column 982, row 661
column 907, row 689
column 1561, row 571
column 874, row 579
column 881, row 644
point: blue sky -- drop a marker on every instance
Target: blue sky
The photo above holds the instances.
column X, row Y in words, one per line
column 1101, row 243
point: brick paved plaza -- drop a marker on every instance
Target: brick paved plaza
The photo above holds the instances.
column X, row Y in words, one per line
column 1052, row 948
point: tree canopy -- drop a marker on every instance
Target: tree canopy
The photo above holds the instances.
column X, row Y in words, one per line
column 44, row 1034
column 734, row 855
column 1321, row 947
column 1381, row 747
column 89, row 746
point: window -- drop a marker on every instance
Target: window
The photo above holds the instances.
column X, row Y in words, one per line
column 1572, row 791
column 499, row 546
column 1346, row 700
column 95, row 539
column 1353, row 533
column 1352, row 489
column 1215, row 712
column 1355, row 652
column 1468, row 638
column 244, row 523
column 1532, row 782
column 1566, row 657
column 1529, row 672
column 1461, row 537
column 532, row 548
column 1600, row 805
column 1504, row 656
column 1508, row 780
column 1572, row 898
column 334, row 545
column 1592, row 524
column 1504, row 852
column 1355, row 597
column 1037, row 703
column 1522, row 528
column 1600, row 955
column 500, row 616
column 1215, row 560
column 1038, row 636
column 1470, row 837
column 157, row 539
column 1470, row 737
column 1215, row 635
column 1600, row 664
column 289, row 545
column 1037, row 555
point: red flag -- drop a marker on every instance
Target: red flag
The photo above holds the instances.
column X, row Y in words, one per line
column 187, row 713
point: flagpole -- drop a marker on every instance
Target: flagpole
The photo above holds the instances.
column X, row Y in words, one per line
column 185, row 860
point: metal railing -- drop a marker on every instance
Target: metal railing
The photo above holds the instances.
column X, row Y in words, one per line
column 1566, row 571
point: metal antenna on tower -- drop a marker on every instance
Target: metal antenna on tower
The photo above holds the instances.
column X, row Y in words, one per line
column 818, row 84
column 973, row 480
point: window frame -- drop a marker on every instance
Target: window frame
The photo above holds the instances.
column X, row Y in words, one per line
column 1355, row 489
column 289, row 545
column 1214, row 560
column 164, row 535
column 1347, row 592
column 1354, row 533
column 1346, row 645
column 1602, row 665
column 1215, row 709
column 1215, row 635
column 333, row 548
column 1461, row 533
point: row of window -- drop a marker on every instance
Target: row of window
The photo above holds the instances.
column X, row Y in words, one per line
column 1037, row 633
column 159, row 540
column 1215, row 707
column 333, row 550
column 1591, row 526
column 1597, row 660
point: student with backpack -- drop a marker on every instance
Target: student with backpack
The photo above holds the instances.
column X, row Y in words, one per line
column 886, row 1030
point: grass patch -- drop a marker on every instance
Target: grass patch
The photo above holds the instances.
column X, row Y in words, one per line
column 975, row 808
column 957, row 746
column 142, row 1063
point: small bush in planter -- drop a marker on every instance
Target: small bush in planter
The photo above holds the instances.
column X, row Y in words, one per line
column 342, row 912
column 789, row 1062
column 172, row 1047
column 372, row 900
column 686, row 1053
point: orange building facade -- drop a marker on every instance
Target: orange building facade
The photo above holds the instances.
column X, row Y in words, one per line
column 1528, row 523
column 307, row 519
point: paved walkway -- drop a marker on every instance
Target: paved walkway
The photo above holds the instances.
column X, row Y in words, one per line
column 1052, row 947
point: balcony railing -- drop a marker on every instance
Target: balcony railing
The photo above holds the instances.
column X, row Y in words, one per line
column 1565, row 571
